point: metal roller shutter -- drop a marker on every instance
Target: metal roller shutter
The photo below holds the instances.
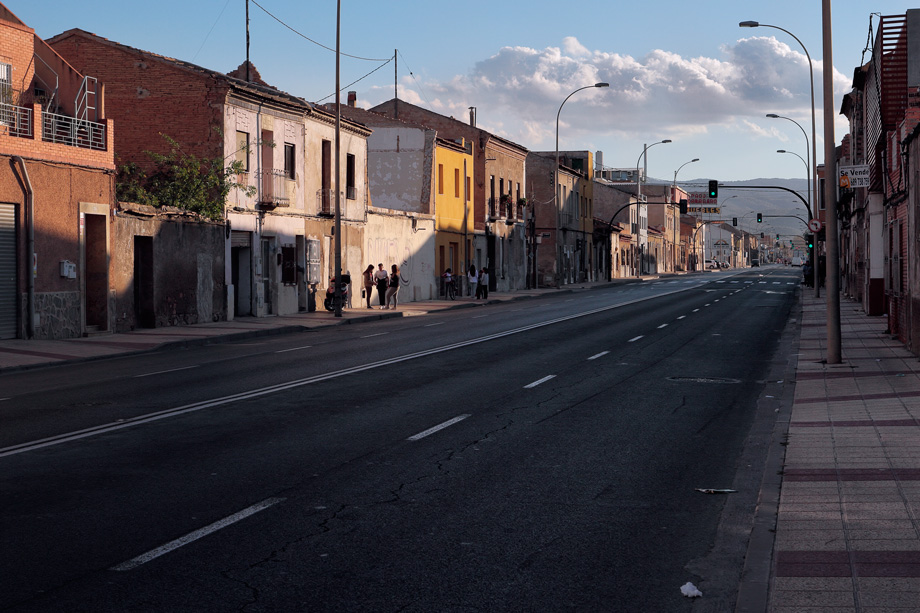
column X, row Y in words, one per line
column 7, row 271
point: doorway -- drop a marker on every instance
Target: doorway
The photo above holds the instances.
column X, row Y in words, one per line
column 144, row 306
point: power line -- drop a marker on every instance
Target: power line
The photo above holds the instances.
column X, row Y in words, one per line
column 412, row 74
column 359, row 79
column 317, row 43
column 211, row 30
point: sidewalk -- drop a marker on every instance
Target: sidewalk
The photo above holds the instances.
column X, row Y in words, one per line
column 848, row 523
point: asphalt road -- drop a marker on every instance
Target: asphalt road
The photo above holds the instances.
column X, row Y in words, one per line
column 541, row 455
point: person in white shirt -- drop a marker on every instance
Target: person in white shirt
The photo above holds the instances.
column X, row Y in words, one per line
column 473, row 279
column 483, row 283
column 381, row 277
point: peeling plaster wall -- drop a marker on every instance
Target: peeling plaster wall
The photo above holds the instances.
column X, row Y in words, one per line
column 390, row 239
column 399, row 165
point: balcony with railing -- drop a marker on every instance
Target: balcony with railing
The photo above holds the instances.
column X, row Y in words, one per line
column 274, row 189
column 15, row 118
column 66, row 130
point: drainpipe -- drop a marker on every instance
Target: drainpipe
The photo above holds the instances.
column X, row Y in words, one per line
column 30, row 249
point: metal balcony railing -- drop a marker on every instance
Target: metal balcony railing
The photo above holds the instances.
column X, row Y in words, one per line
column 74, row 132
column 325, row 202
column 274, row 189
column 15, row 120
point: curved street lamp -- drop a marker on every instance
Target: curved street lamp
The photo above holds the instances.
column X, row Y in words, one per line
column 807, row 166
column 556, row 183
column 681, row 166
column 811, row 82
column 645, row 148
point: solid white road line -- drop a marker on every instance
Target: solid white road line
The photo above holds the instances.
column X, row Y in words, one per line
column 449, row 422
column 539, row 381
column 273, row 389
column 633, row 340
column 598, row 355
column 373, row 335
column 160, row 372
column 293, row 349
column 437, row 323
column 197, row 534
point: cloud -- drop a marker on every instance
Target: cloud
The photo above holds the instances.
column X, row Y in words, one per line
column 521, row 89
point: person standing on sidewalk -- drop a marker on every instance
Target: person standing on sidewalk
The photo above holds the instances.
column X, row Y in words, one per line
column 393, row 289
column 369, row 284
column 380, row 276
column 473, row 279
column 484, row 283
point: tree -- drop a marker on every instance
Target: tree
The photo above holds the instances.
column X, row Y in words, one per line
column 182, row 180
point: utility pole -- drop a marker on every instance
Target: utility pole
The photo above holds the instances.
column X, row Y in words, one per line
column 832, row 262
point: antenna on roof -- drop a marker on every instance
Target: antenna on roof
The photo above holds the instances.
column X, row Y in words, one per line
column 247, row 41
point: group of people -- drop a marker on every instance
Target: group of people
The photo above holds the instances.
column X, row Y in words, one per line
column 478, row 281
column 387, row 285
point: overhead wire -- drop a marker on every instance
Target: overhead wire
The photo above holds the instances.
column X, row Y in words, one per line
column 208, row 35
column 318, row 44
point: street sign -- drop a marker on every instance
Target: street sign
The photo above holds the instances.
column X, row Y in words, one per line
column 699, row 198
column 815, row 225
column 704, row 209
column 854, row 176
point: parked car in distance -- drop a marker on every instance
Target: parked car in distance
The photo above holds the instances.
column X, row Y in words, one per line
column 712, row 264
column 723, row 264
column 796, row 261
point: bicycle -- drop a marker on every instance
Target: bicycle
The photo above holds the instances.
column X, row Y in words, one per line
column 450, row 289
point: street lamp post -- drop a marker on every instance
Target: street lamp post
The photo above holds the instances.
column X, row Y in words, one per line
column 556, row 183
column 814, row 209
column 811, row 82
column 643, row 155
column 674, row 184
column 674, row 241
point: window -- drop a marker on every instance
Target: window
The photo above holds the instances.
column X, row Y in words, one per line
column 440, row 178
column 242, row 149
column 491, row 195
column 6, row 83
column 467, row 189
column 456, row 182
column 350, row 192
column 289, row 161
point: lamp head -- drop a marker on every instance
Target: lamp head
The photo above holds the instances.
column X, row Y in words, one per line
column 773, row 116
column 781, row 151
column 667, row 140
column 749, row 24
column 695, row 160
column 602, row 85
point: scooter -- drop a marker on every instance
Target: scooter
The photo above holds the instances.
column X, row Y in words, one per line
column 329, row 302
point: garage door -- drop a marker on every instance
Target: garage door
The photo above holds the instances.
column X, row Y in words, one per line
column 7, row 270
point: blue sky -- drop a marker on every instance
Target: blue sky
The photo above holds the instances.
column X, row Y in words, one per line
column 678, row 70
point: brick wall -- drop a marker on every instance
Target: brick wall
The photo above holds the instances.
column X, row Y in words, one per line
column 147, row 97
column 17, row 45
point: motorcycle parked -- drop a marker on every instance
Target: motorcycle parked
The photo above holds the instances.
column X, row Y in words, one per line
column 329, row 302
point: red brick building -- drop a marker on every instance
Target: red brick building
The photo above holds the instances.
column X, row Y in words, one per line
column 57, row 191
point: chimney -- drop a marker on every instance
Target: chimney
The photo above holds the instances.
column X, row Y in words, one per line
column 473, row 116
column 352, row 98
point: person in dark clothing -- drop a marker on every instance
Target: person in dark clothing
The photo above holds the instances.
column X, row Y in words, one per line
column 381, row 277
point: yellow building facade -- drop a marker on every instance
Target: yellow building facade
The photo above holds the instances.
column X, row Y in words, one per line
column 453, row 181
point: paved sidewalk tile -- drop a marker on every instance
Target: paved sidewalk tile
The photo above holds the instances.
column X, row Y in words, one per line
column 848, row 521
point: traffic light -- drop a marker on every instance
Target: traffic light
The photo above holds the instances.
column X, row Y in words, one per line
column 734, row 221
column 810, row 240
column 761, row 235
column 683, row 206
column 759, row 218
column 713, row 189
